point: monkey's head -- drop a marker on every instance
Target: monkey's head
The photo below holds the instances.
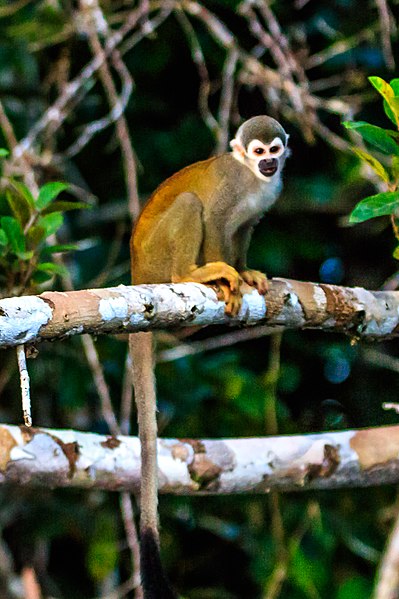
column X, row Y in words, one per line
column 261, row 144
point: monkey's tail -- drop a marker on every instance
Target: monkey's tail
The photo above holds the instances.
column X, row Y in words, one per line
column 154, row 581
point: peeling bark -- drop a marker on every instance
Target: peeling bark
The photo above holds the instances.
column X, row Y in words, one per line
column 66, row 458
column 288, row 304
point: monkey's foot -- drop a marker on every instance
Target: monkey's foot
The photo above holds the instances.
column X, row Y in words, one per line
column 224, row 276
column 256, row 279
column 212, row 271
column 233, row 301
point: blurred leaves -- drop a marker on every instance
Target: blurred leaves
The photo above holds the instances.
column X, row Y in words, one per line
column 382, row 204
column 387, row 142
column 25, row 236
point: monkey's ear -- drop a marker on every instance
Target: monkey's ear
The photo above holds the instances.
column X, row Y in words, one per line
column 237, row 146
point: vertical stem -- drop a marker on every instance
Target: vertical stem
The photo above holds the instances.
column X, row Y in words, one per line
column 271, row 380
column 279, row 573
column 25, row 387
column 387, row 585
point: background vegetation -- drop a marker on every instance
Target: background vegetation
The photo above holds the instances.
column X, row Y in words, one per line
column 182, row 79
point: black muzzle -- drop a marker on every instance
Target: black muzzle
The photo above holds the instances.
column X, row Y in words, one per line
column 268, row 167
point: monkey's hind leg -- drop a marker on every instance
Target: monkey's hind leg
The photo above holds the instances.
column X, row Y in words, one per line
column 186, row 236
column 227, row 281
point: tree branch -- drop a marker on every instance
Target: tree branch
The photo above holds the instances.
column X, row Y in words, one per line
column 66, row 458
column 287, row 305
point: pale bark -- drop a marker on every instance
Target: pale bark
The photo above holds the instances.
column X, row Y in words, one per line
column 288, row 304
column 66, row 458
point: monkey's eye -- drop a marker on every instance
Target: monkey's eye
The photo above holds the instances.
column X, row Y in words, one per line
column 259, row 151
column 274, row 149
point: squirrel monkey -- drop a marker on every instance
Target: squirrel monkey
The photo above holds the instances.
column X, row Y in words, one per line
column 197, row 226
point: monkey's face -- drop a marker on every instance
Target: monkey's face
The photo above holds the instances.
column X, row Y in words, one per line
column 265, row 159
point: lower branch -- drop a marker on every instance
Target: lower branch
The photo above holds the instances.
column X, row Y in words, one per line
column 66, row 458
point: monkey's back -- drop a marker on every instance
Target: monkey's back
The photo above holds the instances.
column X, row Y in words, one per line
column 189, row 179
column 221, row 176
column 193, row 178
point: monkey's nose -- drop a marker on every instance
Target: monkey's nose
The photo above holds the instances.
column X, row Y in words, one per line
column 268, row 167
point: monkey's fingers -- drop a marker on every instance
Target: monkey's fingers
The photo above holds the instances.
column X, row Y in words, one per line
column 213, row 271
column 257, row 279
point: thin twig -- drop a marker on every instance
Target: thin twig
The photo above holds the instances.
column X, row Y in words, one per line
column 386, row 32
column 57, row 112
column 387, row 586
column 340, row 46
column 128, row 158
column 199, row 60
column 100, row 383
column 127, row 512
column 127, row 397
column 7, row 11
column 9, row 134
column 25, row 385
column 271, row 426
column 196, row 347
column 30, row 583
column 226, row 99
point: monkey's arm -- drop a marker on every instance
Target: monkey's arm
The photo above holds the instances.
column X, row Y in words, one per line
column 241, row 242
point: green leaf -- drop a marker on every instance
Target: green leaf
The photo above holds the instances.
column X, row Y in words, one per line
column 382, row 139
column 382, row 204
column 374, row 163
column 19, row 206
column 35, row 235
column 14, row 233
column 51, row 268
column 391, row 102
column 23, row 190
column 58, row 249
column 382, row 87
column 48, row 192
column 4, row 153
column 51, row 222
column 353, row 588
column 64, row 205
column 41, row 277
column 395, row 167
column 102, row 554
column 395, row 253
column 392, row 110
column 3, row 238
column 25, row 255
column 394, row 83
column 392, row 107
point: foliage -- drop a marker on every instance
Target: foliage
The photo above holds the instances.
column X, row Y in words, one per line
column 28, row 225
column 385, row 141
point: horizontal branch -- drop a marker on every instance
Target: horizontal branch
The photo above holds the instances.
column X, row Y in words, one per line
column 288, row 304
column 66, row 458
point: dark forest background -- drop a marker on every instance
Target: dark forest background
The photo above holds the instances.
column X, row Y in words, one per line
column 185, row 86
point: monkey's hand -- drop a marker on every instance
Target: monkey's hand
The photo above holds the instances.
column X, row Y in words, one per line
column 225, row 277
column 256, row 279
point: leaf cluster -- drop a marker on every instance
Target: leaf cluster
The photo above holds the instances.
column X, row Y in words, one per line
column 28, row 224
column 384, row 142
